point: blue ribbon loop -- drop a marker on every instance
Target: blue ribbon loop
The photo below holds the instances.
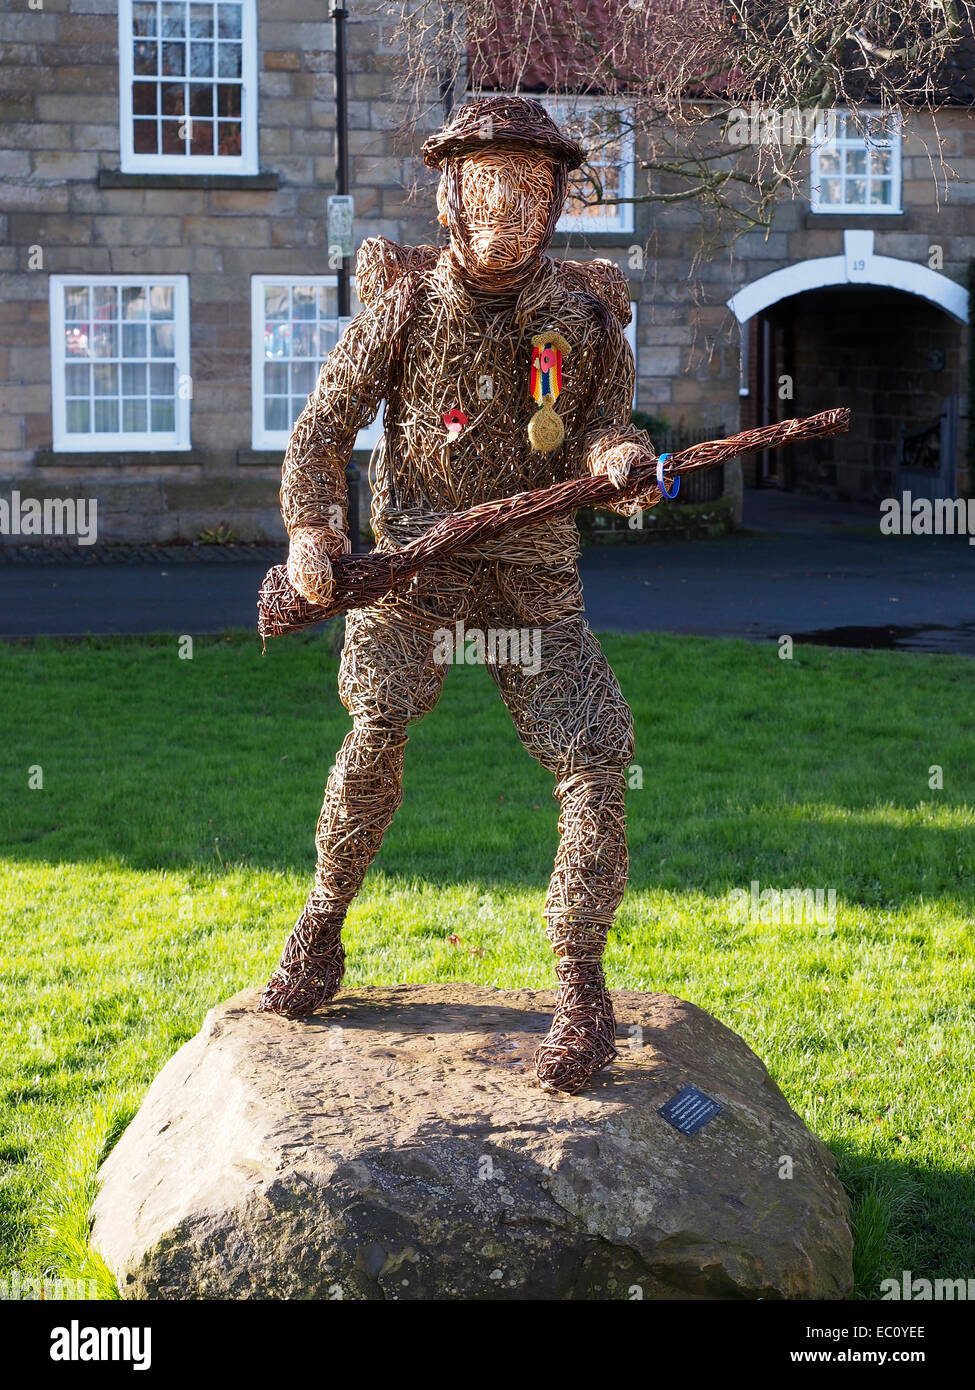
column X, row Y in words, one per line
column 660, row 479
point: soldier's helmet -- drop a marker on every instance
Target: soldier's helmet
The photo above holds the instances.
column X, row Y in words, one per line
column 502, row 122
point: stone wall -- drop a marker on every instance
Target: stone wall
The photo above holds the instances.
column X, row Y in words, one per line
column 62, row 191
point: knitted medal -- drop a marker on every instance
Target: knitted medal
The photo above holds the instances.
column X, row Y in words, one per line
column 545, row 429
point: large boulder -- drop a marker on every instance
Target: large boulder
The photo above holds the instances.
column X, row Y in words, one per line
column 396, row 1146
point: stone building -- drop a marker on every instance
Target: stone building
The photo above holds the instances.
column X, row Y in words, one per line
column 167, row 294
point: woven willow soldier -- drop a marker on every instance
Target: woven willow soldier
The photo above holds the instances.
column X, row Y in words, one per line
column 502, row 370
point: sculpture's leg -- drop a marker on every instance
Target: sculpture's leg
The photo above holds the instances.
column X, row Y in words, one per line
column 389, row 678
column 572, row 717
column 361, row 797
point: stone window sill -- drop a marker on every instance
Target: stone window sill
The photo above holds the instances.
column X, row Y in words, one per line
column 122, row 458
column 114, row 178
column 852, row 221
column 579, row 241
column 273, row 458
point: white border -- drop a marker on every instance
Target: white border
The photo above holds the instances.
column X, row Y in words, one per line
column 857, row 266
column 630, row 334
column 143, row 442
column 891, row 209
column 247, row 162
column 261, row 438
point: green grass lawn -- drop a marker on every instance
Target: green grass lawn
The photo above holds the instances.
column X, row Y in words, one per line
column 162, row 863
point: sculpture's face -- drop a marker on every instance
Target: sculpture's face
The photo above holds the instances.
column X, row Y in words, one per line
column 506, row 198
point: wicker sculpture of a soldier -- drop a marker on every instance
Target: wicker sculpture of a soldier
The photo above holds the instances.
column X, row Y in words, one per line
column 502, row 370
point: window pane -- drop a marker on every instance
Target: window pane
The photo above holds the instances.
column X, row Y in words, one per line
column 856, row 190
column 201, row 59
column 105, row 381
column 228, row 140
column 144, row 19
column 303, row 377
column 881, row 130
column 201, row 137
column 161, row 301
column 134, row 416
column 275, row 301
column 276, row 415
column 144, row 58
column 303, row 341
column 161, row 343
column 163, row 415
column 106, row 417
column 144, row 98
column 134, row 304
column 228, row 21
column 174, row 20
column 880, row 192
column 162, row 381
column 171, row 94
column 277, row 340
column 76, row 379
column 201, row 99
column 104, row 340
column 275, row 378
column 328, row 336
column 173, row 137
column 303, row 301
column 881, row 162
column 133, row 379
column 829, row 161
column 856, row 161
column 611, row 186
column 228, row 63
column 145, row 137
column 201, row 21
column 173, row 59
column 105, row 299
column 76, row 340
column 133, row 340
column 831, row 191
column 76, row 302
column 228, row 99
column 77, row 417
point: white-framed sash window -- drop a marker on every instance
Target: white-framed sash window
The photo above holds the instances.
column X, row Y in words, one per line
column 120, row 362
column 603, row 128
column 294, row 326
column 188, row 86
column 855, row 163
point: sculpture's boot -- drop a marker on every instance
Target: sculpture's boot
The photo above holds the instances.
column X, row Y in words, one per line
column 587, row 885
column 581, row 1039
column 312, row 963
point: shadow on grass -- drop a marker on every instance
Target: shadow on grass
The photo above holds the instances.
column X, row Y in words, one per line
column 904, row 1215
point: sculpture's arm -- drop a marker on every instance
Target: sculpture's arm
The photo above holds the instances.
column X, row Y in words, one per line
column 353, row 381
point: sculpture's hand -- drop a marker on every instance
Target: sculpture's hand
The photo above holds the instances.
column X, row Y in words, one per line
column 310, row 556
column 618, row 462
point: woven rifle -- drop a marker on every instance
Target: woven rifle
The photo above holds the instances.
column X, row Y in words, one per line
column 364, row 579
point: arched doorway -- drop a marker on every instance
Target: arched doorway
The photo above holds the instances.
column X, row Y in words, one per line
column 883, row 336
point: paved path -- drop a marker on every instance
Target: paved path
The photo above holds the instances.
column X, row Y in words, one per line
column 801, row 568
